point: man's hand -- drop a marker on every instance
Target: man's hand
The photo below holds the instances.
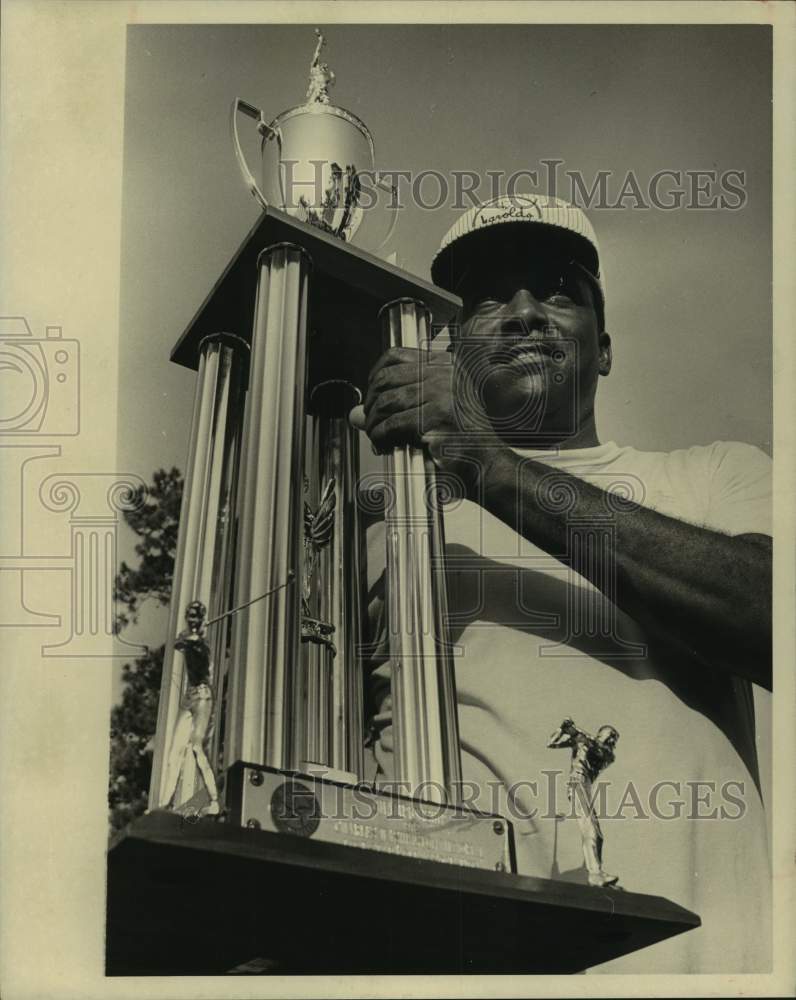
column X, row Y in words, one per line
column 423, row 398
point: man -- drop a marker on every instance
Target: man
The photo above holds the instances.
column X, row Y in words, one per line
column 590, row 580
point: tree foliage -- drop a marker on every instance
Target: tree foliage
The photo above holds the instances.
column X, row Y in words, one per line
column 132, row 727
column 155, row 520
column 154, row 517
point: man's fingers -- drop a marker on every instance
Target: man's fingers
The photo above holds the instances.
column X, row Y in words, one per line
column 357, row 418
column 396, row 429
column 394, row 419
column 388, row 378
column 395, row 356
column 404, row 398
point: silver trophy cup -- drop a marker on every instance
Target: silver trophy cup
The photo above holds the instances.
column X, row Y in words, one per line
column 317, row 160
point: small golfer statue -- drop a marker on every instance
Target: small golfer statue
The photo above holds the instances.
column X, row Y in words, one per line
column 321, row 77
column 590, row 756
column 196, row 708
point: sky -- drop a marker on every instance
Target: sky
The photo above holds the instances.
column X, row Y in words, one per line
column 688, row 290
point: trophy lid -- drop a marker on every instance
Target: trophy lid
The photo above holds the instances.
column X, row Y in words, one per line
column 317, row 101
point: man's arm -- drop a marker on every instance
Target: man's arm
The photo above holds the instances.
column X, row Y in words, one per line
column 705, row 593
column 709, row 590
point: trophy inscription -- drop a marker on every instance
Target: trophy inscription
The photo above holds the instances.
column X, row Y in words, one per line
column 358, row 816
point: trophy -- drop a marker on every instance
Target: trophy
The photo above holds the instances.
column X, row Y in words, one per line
column 283, row 854
column 288, row 674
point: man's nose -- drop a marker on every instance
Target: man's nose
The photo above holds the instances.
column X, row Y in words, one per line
column 524, row 314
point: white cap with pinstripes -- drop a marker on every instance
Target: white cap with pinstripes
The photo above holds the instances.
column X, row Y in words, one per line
column 556, row 222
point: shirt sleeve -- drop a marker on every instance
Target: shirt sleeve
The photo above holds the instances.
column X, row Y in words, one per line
column 740, row 489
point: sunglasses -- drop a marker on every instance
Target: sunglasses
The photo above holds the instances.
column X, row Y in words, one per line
column 499, row 283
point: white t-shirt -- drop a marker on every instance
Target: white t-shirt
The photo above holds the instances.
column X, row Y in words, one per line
column 536, row 642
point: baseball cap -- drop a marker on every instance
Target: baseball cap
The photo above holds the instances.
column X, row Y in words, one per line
column 539, row 224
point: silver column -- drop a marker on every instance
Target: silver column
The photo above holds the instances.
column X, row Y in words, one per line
column 425, row 723
column 331, row 707
column 313, row 709
column 266, row 634
column 205, row 535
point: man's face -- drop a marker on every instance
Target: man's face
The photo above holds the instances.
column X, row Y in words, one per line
column 532, row 345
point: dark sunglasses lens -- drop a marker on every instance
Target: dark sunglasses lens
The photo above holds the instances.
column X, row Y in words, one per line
column 500, row 284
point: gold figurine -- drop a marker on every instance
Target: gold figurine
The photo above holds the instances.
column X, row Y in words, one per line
column 590, row 756
column 196, row 708
column 321, row 77
column 318, row 529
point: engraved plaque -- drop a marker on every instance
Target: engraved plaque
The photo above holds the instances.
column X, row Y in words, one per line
column 359, row 816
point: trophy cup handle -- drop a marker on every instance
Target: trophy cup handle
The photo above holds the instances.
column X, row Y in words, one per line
column 265, row 131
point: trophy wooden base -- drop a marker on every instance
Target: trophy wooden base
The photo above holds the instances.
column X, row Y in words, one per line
column 201, row 897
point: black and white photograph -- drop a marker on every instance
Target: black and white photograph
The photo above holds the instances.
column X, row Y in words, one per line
column 398, row 547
